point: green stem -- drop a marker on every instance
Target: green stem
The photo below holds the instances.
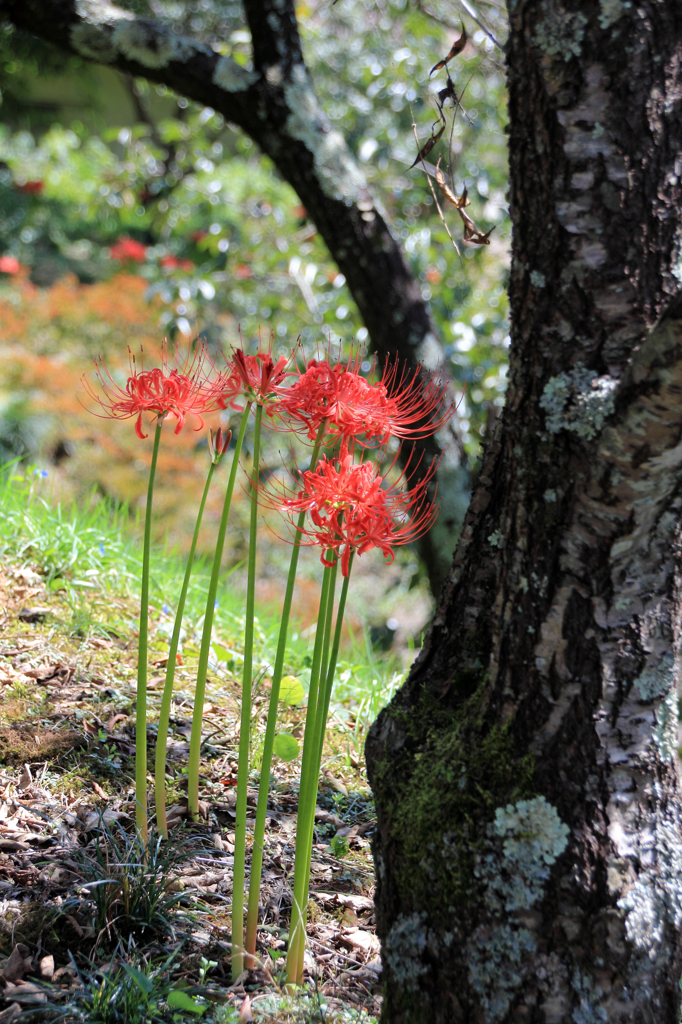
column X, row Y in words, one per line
column 202, row 669
column 297, row 924
column 325, row 692
column 141, row 708
column 323, row 700
column 167, row 696
column 269, row 738
column 239, row 869
column 327, row 640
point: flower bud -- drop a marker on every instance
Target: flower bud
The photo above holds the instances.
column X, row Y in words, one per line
column 218, row 444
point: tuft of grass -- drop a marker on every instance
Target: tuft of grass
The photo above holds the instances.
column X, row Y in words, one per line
column 130, row 888
column 85, row 552
column 133, row 991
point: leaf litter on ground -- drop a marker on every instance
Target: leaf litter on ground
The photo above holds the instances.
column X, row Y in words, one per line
column 66, row 792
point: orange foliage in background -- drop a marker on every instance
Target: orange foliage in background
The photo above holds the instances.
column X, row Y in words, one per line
column 48, row 340
column 77, row 313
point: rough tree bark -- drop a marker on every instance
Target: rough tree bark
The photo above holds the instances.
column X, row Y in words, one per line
column 277, row 107
column 528, row 854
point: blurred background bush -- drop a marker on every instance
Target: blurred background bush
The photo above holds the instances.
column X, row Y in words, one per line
column 128, row 214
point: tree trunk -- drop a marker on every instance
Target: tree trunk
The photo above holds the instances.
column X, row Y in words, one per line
column 528, row 851
column 277, row 107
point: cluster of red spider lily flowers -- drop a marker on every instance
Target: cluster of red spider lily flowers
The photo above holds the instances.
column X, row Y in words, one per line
column 343, row 503
column 351, row 505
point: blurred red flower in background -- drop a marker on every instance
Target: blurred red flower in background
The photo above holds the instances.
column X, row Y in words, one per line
column 32, row 187
column 173, row 263
column 128, row 249
column 9, row 265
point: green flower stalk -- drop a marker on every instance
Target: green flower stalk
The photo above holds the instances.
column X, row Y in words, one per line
column 307, row 791
column 142, row 647
column 352, row 509
column 239, row 868
column 258, row 378
column 202, row 668
column 321, row 715
column 166, row 391
column 269, row 737
column 217, row 447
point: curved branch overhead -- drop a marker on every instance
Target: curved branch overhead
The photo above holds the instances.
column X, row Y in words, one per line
column 276, row 105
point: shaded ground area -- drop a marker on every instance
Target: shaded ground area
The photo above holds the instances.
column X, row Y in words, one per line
column 75, row 899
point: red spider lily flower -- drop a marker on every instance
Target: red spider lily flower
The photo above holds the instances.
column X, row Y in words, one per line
column 397, row 405
column 242, row 272
column 128, row 249
column 259, row 378
column 173, row 263
column 417, row 402
column 9, row 265
column 178, row 391
column 353, row 508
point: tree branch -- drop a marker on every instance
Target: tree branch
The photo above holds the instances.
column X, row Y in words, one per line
column 274, row 35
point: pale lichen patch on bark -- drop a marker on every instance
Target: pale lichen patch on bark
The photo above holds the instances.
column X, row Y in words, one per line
column 523, row 842
column 611, row 11
column 657, row 679
column 561, row 33
column 406, row 943
column 152, row 47
column 586, row 1012
column 578, row 401
column 99, row 12
column 106, row 31
column 339, row 175
column 94, row 42
column 231, row 77
column 655, row 899
column 93, row 36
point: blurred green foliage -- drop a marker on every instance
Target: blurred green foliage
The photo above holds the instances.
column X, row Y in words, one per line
column 88, row 157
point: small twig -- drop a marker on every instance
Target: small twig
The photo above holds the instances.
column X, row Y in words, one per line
column 474, row 17
column 435, row 16
column 435, row 199
column 335, row 952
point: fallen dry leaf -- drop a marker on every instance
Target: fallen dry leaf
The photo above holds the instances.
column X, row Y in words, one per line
column 34, row 614
column 25, row 992
column 26, row 778
column 113, row 722
column 18, row 964
column 336, row 784
column 356, row 903
column 356, row 938
column 349, row 918
column 46, row 967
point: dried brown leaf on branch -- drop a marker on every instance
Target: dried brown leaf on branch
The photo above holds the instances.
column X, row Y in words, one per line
column 428, row 146
column 457, row 47
column 448, row 93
